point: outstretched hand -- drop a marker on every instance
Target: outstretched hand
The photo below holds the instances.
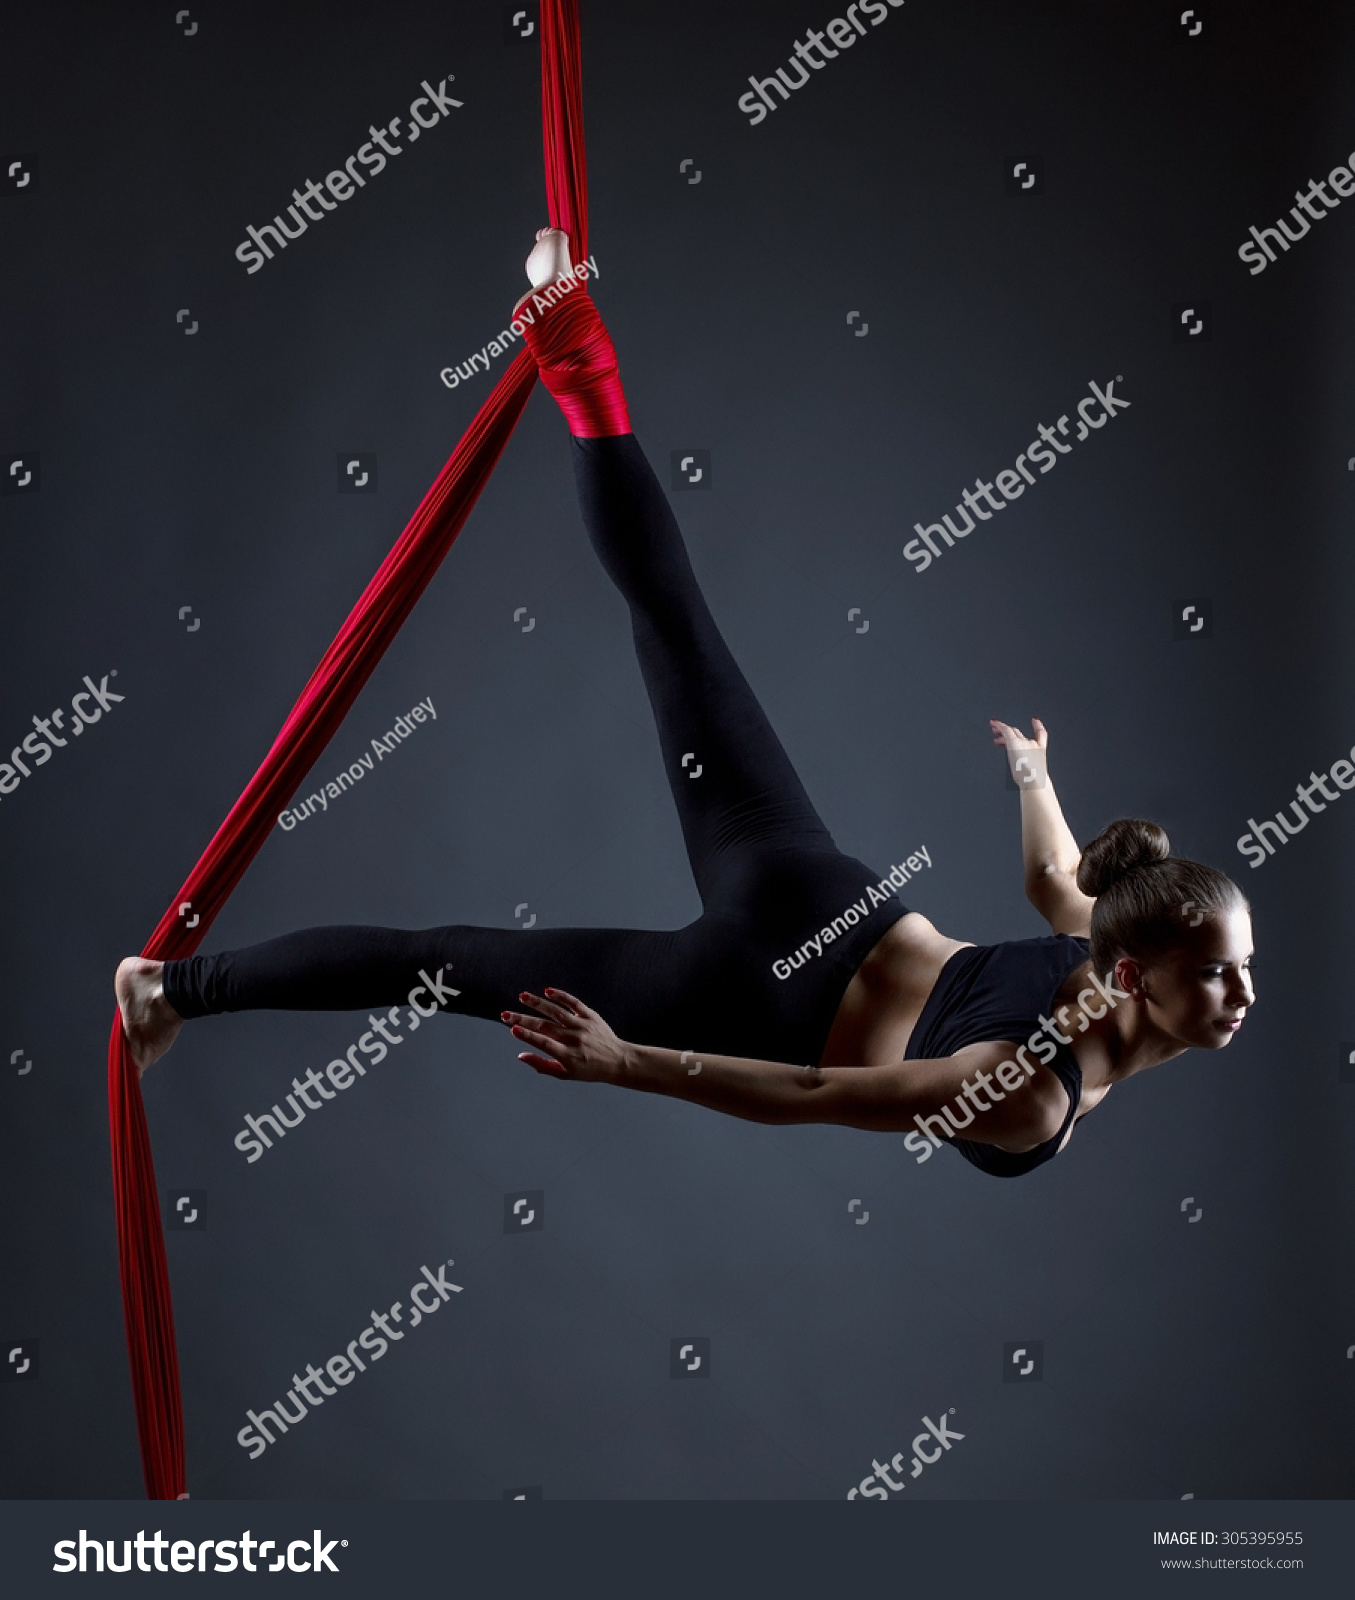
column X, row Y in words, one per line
column 1016, row 741
column 569, row 1039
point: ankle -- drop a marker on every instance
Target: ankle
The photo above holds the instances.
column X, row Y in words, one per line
column 550, row 292
column 577, row 360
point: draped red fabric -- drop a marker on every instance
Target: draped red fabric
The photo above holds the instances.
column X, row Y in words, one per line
column 562, row 122
column 324, row 702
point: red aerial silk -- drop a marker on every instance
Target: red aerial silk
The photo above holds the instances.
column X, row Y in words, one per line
column 576, row 361
column 315, row 718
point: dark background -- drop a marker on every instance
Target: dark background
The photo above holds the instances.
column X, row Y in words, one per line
column 1204, row 1359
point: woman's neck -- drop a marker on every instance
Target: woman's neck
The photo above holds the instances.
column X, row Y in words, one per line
column 1131, row 1042
column 1122, row 1041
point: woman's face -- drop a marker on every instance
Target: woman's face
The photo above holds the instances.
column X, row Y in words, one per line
column 1199, row 992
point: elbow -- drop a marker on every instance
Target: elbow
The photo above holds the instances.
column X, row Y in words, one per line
column 1037, row 885
column 1045, row 877
column 807, row 1102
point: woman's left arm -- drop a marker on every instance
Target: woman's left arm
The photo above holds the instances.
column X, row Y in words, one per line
column 1049, row 852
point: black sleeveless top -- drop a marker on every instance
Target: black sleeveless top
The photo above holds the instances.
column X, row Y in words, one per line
column 1000, row 991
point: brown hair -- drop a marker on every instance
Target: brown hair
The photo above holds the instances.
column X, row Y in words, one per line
column 1147, row 899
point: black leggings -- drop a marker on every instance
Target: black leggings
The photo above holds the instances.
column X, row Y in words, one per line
column 768, row 872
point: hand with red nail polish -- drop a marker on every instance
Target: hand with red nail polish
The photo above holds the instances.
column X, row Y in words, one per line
column 569, row 1039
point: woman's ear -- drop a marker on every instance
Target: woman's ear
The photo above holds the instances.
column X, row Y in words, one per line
column 1129, row 977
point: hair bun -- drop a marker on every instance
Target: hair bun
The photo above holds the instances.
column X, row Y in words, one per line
column 1123, row 846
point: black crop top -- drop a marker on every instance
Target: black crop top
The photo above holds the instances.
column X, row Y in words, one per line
column 1000, row 991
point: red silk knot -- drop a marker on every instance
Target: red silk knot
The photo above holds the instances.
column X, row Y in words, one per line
column 577, row 363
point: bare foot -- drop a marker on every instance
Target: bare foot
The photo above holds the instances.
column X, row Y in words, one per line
column 548, row 261
column 150, row 1023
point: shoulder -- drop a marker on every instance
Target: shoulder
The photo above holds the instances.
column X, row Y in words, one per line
column 1028, row 1109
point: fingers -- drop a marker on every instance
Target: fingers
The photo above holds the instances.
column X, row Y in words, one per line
column 527, row 1030
column 571, row 1000
column 516, row 1020
column 543, row 1064
column 1013, row 738
column 563, row 1013
column 548, row 1008
column 559, row 1005
column 528, row 1034
column 562, row 1031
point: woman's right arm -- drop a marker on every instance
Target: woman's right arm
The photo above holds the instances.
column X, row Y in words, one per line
column 1049, row 852
column 889, row 1099
column 569, row 1039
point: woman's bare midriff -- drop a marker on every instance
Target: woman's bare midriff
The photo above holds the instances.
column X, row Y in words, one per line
column 885, row 998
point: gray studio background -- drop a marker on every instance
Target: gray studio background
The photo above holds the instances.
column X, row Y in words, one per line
column 177, row 470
